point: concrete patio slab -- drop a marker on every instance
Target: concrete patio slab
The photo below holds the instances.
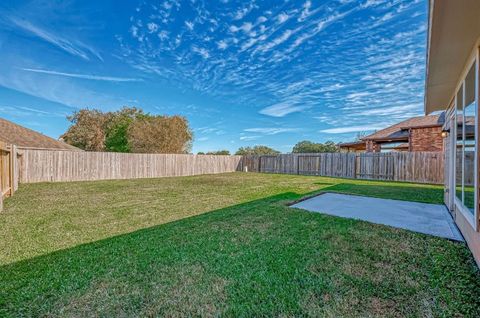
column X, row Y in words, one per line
column 432, row 219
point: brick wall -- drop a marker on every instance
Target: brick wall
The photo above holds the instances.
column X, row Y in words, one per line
column 426, row 139
column 372, row 146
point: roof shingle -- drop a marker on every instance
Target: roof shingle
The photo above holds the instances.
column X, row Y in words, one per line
column 20, row 136
column 400, row 130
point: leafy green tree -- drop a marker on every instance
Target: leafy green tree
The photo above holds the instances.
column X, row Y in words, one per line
column 219, row 153
column 116, row 138
column 312, row 147
column 256, row 150
column 200, row 153
column 128, row 130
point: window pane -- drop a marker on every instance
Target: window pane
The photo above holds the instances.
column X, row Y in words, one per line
column 469, row 141
column 459, row 146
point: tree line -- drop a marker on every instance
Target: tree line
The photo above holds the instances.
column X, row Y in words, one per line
column 130, row 129
column 304, row 146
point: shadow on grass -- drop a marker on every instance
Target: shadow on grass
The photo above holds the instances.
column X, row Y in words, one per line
column 37, row 286
column 258, row 258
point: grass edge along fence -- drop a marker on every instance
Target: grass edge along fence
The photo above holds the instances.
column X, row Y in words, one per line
column 26, row 165
column 420, row 167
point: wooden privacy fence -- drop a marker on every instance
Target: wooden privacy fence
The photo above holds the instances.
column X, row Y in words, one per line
column 40, row 165
column 322, row 164
column 51, row 165
column 8, row 171
column 422, row 167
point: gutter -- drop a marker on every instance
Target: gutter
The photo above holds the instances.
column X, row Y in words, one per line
column 431, row 5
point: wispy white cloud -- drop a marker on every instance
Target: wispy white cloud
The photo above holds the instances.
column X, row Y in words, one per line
column 282, row 17
column 350, row 129
column 152, row 27
column 393, row 110
column 305, row 11
column 249, row 138
column 190, row 25
column 74, row 48
column 246, row 27
column 270, row 130
column 277, row 41
column 242, row 12
column 84, row 76
column 201, row 51
column 58, row 89
column 329, row 61
column 261, row 19
column 282, row 109
column 222, row 44
column 22, row 111
column 371, row 3
column 320, row 26
column 163, row 35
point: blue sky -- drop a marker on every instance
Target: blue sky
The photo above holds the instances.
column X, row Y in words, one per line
column 242, row 72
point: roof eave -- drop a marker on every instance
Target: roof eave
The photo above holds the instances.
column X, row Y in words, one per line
column 453, row 32
column 431, row 4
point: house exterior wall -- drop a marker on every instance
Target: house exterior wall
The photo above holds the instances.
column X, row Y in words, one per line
column 345, row 149
column 420, row 139
column 426, row 139
column 468, row 225
column 472, row 236
column 357, row 148
column 372, row 146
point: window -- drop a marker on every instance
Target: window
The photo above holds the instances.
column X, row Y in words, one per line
column 469, row 132
column 459, row 145
column 466, row 142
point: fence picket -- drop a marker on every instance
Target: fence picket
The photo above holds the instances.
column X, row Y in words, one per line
column 52, row 165
column 422, row 167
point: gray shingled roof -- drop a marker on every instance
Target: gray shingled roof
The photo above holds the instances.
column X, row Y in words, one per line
column 20, row 136
column 400, row 130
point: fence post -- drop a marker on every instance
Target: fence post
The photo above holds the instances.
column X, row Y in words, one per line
column 357, row 165
column 1, row 191
column 298, row 163
column 12, row 157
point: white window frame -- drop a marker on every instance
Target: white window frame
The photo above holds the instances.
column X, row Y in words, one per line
column 472, row 218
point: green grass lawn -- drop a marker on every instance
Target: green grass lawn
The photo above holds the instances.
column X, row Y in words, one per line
column 222, row 245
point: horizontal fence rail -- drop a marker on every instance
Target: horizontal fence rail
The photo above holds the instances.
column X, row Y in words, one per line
column 421, row 167
column 53, row 166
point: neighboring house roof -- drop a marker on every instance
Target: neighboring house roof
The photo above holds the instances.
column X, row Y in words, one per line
column 354, row 144
column 400, row 131
column 20, row 136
